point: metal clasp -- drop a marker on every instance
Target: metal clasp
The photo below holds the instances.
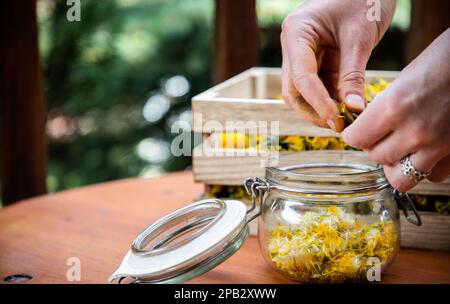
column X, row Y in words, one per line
column 405, row 203
column 255, row 187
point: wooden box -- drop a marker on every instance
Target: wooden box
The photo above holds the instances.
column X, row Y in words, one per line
column 253, row 96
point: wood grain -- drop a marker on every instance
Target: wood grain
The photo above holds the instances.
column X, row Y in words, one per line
column 98, row 223
column 433, row 234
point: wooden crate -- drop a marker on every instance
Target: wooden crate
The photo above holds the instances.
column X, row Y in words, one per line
column 252, row 96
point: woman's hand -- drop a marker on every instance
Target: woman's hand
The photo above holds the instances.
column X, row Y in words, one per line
column 411, row 117
column 326, row 45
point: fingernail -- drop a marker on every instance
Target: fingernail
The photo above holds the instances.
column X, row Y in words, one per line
column 355, row 101
column 332, row 125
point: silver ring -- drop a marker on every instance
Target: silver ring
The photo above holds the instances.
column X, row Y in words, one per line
column 409, row 170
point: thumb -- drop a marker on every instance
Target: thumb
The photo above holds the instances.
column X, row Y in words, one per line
column 353, row 60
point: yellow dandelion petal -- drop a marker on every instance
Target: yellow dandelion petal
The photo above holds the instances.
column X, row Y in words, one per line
column 330, row 245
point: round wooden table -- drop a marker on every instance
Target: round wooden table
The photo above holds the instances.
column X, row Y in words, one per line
column 96, row 224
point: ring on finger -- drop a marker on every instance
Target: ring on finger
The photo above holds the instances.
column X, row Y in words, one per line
column 410, row 171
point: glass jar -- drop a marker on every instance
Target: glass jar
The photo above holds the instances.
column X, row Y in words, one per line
column 321, row 222
column 328, row 222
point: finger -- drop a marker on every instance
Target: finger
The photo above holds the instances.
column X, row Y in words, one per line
column 372, row 125
column 304, row 69
column 393, row 147
column 290, row 94
column 441, row 171
column 352, row 75
column 328, row 61
column 329, row 80
column 423, row 160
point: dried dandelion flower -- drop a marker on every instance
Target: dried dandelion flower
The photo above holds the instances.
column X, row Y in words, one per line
column 330, row 245
column 317, row 143
column 221, row 191
column 336, row 143
column 234, row 140
column 370, row 91
column 291, row 143
column 294, row 143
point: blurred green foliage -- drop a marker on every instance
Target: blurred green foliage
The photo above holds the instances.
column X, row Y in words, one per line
column 103, row 71
column 100, row 72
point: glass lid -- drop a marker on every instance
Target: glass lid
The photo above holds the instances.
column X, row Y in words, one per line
column 185, row 243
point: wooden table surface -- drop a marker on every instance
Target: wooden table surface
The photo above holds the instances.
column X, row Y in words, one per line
column 97, row 224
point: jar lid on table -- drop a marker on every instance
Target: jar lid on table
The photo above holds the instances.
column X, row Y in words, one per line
column 185, row 243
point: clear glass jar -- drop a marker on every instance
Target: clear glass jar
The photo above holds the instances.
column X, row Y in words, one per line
column 318, row 222
column 327, row 222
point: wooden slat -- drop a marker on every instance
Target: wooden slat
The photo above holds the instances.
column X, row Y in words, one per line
column 433, row 234
column 22, row 107
column 236, row 38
